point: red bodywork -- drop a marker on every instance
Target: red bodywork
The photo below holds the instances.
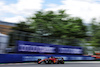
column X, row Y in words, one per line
column 54, row 60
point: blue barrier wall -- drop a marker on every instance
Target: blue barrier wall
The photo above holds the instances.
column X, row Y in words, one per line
column 13, row 58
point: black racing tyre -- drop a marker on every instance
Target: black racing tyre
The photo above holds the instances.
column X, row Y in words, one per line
column 62, row 62
column 39, row 60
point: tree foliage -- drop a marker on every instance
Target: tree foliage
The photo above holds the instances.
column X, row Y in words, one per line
column 95, row 26
column 57, row 24
column 53, row 25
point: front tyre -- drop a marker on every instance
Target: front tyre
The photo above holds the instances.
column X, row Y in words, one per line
column 39, row 60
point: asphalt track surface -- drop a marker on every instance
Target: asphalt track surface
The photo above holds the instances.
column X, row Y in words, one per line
column 53, row 65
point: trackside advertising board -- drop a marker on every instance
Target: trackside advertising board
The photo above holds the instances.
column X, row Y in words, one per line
column 41, row 48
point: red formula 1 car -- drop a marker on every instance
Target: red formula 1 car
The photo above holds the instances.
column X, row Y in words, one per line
column 51, row 60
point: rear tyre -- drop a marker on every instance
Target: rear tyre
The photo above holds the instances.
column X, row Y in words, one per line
column 61, row 61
